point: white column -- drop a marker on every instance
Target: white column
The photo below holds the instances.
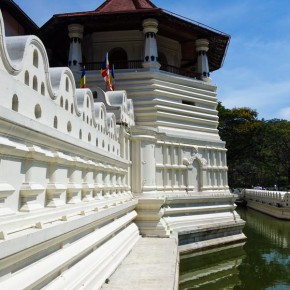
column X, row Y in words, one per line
column 150, row 28
column 202, row 61
column 75, row 50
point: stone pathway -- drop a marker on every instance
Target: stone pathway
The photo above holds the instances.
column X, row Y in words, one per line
column 153, row 264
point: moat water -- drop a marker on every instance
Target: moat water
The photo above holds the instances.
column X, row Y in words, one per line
column 263, row 262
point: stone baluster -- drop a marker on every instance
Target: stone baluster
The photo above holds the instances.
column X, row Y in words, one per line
column 30, row 190
column 55, row 191
column 88, row 181
column 74, row 186
column 99, row 184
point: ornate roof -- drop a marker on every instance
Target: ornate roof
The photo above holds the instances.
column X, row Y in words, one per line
column 124, row 5
column 122, row 15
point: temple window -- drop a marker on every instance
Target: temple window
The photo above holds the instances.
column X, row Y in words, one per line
column 190, row 103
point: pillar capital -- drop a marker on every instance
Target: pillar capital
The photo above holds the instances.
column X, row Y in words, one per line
column 75, row 31
column 201, row 44
column 150, row 25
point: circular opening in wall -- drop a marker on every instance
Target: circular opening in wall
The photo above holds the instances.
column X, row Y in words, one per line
column 37, row 111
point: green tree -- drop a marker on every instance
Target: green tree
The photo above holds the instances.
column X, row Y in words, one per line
column 276, row 150
column 241, row 130
column 258, row 150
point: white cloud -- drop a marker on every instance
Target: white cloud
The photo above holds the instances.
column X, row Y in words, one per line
column 284, row 114
column 242, row 88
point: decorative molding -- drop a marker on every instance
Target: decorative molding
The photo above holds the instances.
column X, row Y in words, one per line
column 5, row 191
column 53, row 194
column 29, row 193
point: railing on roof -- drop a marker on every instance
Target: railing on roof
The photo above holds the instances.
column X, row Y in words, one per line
column 137, row 64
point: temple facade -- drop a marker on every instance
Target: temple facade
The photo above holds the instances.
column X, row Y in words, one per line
column 86, row 173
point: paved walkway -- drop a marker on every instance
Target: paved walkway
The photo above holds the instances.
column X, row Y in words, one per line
column 153, row 264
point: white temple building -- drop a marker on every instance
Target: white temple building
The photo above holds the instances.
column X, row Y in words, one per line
column 86, row 173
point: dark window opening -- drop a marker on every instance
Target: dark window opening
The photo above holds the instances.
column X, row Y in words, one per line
column 190, row 103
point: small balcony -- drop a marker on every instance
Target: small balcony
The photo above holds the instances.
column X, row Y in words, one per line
column 137, row 64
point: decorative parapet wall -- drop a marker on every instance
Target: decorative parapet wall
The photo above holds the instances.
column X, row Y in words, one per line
column 274, row 203
column 68, row 148
column 118, row 103
column 273, row 198
column 65, row 196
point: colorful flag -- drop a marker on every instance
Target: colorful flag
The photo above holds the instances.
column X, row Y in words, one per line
column 83, row 79
column 105, row 71
column 113, row 78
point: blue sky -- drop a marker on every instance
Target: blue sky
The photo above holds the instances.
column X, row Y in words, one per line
column 256, row 71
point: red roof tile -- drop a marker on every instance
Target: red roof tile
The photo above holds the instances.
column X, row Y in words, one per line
column 124, row 5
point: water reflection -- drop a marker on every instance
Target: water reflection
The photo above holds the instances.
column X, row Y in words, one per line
column 213, row 269
column 262, row 263
column 277, row 231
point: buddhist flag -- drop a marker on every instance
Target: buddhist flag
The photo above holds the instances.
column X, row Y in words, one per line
column 113, row 78
column 83, row 79
column 105, row 71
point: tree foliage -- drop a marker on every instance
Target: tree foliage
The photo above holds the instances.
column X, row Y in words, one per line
column 258, row 150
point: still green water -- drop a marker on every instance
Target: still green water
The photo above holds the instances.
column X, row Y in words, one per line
column 263, row 262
